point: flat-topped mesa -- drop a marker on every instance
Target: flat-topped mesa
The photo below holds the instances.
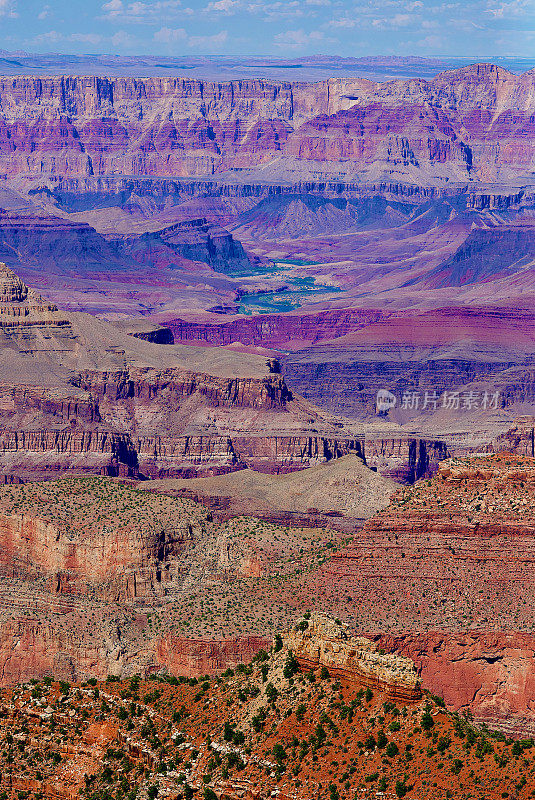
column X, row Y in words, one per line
column 323, row 642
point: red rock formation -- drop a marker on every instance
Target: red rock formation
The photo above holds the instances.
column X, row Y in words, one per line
column 457, row 547
column 25, row 650
column 189, row 456
column 405, row 460
column 193, row 657
column 173, row 387
column 124, row 556
column 322, row 642
column 448, row 569
column 489, row 673
column 273, row 330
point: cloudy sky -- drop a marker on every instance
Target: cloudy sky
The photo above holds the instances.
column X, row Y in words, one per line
column 472, row 28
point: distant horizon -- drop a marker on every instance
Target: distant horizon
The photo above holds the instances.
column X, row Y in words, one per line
column 481, row 58
column 226, row 67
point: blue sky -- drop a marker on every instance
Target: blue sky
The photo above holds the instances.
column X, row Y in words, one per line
column 473, row 28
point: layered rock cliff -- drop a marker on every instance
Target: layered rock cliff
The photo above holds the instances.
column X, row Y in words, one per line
column 156, row 126
column 447, row 569
column 194, row 657
column 452, row 549
column 37, row 242
column 119, row 553
column 274, row 330
column 491, row 674
column 518, row 439
column 78, row 394
column 321, row 642
column 475, row 120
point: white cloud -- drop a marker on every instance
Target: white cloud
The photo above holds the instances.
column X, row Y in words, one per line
column 7, row 9
column 113, row 8
column 272, row 12
column 343, row 22
column 142, row 13
column 44, row 13
column 223, row 6
column 169, row 35
column 396, row 21
column 53, row 37
column 432, row 43
column 122, row 39
column 87, row 38
column 298, row 38
column 208, row 41
column 516, row 8
column 49, row 37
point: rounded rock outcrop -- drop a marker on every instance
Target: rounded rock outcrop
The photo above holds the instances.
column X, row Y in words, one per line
column 12, row 288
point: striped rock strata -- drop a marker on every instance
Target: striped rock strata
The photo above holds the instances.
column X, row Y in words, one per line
column 327, row 643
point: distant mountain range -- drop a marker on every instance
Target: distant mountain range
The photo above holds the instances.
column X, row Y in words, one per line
column 218, row 68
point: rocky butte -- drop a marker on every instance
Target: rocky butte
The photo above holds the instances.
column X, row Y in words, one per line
column 79, row 395
column 318, row 641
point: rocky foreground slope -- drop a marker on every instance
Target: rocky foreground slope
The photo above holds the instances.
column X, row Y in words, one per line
column 271, row 728
column 442, row 576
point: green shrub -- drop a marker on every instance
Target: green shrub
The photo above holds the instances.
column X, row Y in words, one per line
column 279, row 753
column 371, row 778
column 271, row 693
column 261, row 656
column 291, row 666
column 382, row 741
column 427, row 721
